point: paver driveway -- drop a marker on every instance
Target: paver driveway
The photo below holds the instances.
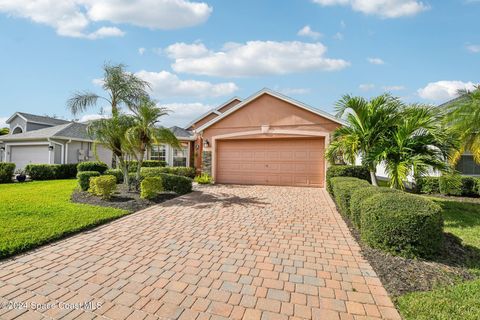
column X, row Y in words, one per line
column 233, row 252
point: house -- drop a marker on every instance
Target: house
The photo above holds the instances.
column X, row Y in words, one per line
column 35, row 139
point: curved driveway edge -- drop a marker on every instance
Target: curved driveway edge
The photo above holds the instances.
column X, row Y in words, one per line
column 222, row 252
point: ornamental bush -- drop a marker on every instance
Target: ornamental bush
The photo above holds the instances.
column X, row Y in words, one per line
column 171, row 182
column 342, row 190
column 402, row 224
column 204, row 178
column 92, row 166
column 451, row 184
column 6, row 171
column 117, row 173
column 150, row 187
column 179, row 171
column 428, row 185
column 359, row 172
column 40, row 171
column 133, row 165
column 84, row 178
column 468, row 186
column 103, row 186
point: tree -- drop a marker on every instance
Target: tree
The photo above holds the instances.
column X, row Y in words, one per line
column 111, row 133
column 123, row 89
column 462, row 116
column 144, row 132
column 369, row 122
column 417, row 144
column 4, row 131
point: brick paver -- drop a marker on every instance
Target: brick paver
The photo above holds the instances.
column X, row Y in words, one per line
column 238, row 252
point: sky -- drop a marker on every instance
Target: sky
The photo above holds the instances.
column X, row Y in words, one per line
column 199, row 54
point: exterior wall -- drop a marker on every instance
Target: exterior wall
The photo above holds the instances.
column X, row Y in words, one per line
column 71, row 150
column 18, row 122
column 103, row 154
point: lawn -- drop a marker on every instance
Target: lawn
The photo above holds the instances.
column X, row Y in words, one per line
column 461, row 301
column 38, row 212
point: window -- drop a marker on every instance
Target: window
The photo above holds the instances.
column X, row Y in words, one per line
column 180, row 157
column 466, row 165
column 159, row 153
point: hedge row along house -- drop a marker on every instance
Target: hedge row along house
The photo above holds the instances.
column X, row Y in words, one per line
column 267, row 138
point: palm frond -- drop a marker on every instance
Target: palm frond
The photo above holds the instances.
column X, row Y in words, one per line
column 81, row 101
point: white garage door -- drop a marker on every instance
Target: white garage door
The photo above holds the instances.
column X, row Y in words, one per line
column 23, row 155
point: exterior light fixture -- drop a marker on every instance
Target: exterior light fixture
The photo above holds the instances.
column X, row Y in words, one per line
column 2, row 148
column 50, row 148
column 206, row 144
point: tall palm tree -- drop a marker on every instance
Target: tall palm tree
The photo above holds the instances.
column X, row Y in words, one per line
column 417, row 144
column 368, row 123
column 463, row 118
column 4, row 131
column 123, row 89
column 111, row 134
column 144, row 133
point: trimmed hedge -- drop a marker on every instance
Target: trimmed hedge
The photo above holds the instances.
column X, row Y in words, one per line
column 179, row 171
column 451, row 184
column 342, row 189
column 51, row 171
column 150, row 187
column 428, row 185
column 7, row 170
column 117, row 173
column 132, row 165
column 403, row 224
column 92, row 166
column 103, row 186
column 177, row 184
column 359, row 172
column 204, row 178
column 357, row 196
column 469, row 185
column 84, row 178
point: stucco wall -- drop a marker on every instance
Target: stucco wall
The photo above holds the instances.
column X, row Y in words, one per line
column 17, row 121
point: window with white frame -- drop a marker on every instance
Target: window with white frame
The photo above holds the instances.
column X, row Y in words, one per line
column 159, row 152
column 180, row 157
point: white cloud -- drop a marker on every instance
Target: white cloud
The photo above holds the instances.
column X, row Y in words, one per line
column 89, row 117
column 308, row 32
column 366, row 86
column 382, row 8
column 376, row 61
column 165, row 84
column 183, row 113
column 474, row 48
column 338, row 36
column 141, row 51
column 182, row 50
column 72, row 18
column 3, row 122
column 255, row 58
column 443, row 90
column 393, row 88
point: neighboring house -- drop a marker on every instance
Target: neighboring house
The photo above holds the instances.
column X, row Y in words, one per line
column 266, row 139
column 44, row 140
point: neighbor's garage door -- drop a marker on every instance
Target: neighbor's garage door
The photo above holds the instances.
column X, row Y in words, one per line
column 292, row 162
column 23, row 155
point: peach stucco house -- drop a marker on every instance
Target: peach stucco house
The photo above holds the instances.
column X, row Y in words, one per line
column 267, row 138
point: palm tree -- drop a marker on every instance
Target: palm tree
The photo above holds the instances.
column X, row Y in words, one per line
column 463, row 119
column 368, row 123
column 111, row 134
column 417, row 144
column 4, row 131
column 123, row 89
column 144, row 133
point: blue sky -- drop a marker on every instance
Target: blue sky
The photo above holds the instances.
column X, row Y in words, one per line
column 198, row 54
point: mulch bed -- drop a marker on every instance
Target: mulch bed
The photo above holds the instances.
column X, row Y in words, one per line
column 400, row 275
column 122, row 199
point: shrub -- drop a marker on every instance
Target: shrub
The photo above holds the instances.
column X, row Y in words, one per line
column 358, row 195
column 65, row 171
column 342, row 189
column 103, row 186
column 40, row 171
column 150, row 187
column 92, row 166
column 6, row 171
column 84, row 178
column 359, row 172
column 468, row 186
column 451, row 184
column 177, row 184
column 132, row 165
column 117, row 173
column 428, row 185
column 204, row 178
column 403, row 224
column 179, row 171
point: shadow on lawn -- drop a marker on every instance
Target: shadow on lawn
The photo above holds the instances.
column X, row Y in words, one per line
column 200, row 200
column 456, row 254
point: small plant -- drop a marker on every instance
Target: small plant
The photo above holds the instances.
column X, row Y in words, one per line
column 150, row 187
column 117, row 173
column 103, row 186
column 84, row 178
column 20, row 175
column 204, row 178
column 6, row 172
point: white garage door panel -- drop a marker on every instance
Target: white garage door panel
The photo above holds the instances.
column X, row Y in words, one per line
column 23, row 155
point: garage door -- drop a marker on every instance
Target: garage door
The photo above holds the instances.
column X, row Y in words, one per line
column 23, row 155
column 291, row 162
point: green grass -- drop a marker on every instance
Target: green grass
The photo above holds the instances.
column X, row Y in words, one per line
column 460, row 301
column 35, row 213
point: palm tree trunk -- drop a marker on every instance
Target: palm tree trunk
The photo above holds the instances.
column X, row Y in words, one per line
column 123, row 167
